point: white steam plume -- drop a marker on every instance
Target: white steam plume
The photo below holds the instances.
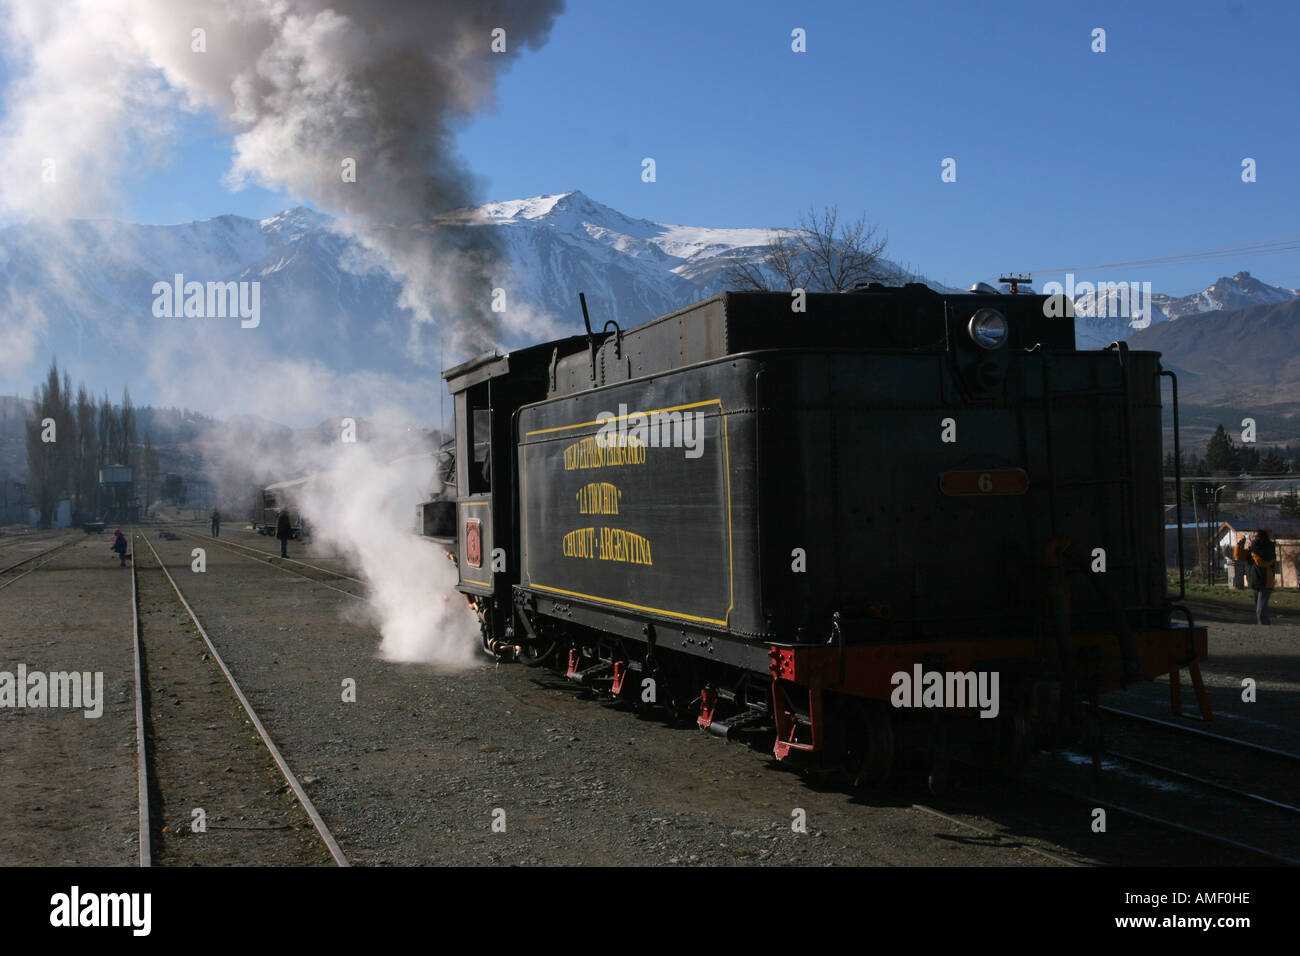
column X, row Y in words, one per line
column 365, row 507
column 361, row 502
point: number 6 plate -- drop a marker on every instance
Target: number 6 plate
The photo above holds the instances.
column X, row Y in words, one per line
column 997, row 481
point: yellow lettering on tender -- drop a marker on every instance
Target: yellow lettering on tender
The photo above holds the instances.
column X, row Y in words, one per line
column 598, row 451
column 626, row 546
column 598, row 498
column 580, row 543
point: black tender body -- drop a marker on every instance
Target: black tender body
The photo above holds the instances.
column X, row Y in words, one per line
column 823, row 433
column 861, row 474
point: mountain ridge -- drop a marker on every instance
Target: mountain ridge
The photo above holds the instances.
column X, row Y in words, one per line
column 82, row 291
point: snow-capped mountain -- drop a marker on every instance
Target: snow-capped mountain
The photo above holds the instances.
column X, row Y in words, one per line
column 1228, row 292
column 630, row 269
column 1113, row 314
column 83, row 291
column 1105, row 315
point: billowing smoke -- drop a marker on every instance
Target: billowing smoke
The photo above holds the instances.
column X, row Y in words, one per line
column 351, row 104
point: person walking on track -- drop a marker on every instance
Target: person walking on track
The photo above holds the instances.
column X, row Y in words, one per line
column 118, row 546
column 284, row 531
column 216, row 523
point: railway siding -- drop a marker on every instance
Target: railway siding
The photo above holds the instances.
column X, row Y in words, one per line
column 216, row 797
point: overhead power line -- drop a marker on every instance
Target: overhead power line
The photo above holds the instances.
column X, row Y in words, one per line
column 1264, row 247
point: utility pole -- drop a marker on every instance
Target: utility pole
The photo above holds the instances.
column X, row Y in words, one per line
column 1196, row 520
column 1214, row 527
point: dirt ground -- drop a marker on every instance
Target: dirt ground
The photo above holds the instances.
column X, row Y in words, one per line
column 1239, row 651
column 69, row 794
column 421, row 765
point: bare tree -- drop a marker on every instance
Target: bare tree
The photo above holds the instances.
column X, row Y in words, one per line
column 822, row 255
column 778, row 264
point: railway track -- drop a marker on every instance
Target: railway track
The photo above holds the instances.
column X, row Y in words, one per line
column 14, row 540
column 1243, row 769
column 290, row 565
column 1282, row 813
column 1171, row 772
column 16, row 571
column 1162, row 817
column 1262, row 828
column 187, row 729
column 1203, row 734
column 1254, row 785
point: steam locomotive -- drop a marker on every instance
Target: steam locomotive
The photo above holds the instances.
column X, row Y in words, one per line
column 876, row 523
column 281, row 496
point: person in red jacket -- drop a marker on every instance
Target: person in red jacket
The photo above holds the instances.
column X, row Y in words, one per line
column 1261, row 556
column 118, row 547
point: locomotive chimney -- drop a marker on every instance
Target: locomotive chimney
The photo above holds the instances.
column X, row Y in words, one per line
column 1014, row 281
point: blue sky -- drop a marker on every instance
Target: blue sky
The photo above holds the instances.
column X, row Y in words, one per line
column 1065, row 157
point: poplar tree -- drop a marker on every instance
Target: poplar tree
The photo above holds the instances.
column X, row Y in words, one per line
column 51, row 445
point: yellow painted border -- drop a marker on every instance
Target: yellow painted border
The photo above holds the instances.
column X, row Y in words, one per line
column 635, row 607
column 463, row 576
column 731, row 568
column 619, row 418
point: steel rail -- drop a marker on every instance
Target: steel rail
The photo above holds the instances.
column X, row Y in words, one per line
column 142, row 756
column 310, row 808
column 17, row 564
column 1096, row 801
column 1202, row 733
column 264, row 557
column 1202, row 781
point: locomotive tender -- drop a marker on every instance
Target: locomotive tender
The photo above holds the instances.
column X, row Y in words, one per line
column 847, row 524
column 271, row 500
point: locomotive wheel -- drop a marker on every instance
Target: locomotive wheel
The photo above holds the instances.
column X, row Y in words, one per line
column 870, row 757
column 679, row 702
column 679, row 710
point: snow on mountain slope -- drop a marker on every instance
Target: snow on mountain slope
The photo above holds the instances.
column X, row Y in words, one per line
column 1105, row 316
column 630, row 269
column 1227, row 292
column 88, row 285
column 82, row 291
